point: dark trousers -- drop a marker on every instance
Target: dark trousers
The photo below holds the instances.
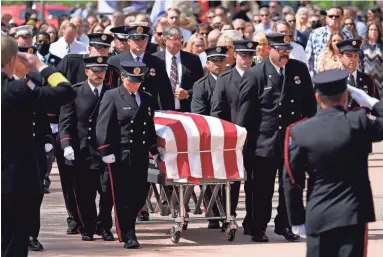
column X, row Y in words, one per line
column 67, row 185
column 15, row 218
column 128, row 177
column 259, row 190
column 349, row 241
column 88, row 181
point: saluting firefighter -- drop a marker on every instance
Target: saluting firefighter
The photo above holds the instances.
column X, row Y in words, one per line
column 77, row 130
column 224, row 105
column 202, row 92
column 350, row 50
column 126, row 135
column 42, row 136
column 272, row 95
column 333, row 147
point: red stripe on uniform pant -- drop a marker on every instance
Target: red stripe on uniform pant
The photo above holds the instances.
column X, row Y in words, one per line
column 230, row 142
column 181, row 144
column 204, row 143
column 365, row 240
column 114, row 204
column 286, row 152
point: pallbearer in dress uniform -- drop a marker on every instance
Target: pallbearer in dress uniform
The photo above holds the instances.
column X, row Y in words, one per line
column 224, row 105
column 333, row 148
column 78, row 140
column 272, row 95
column 350, row 50
column 126, row 135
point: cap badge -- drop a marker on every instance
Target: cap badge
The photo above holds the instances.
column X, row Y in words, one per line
column 297, row 80
column 52, row 60
column 30, row 50
column 250, row 45
column 354, row 43
column 140, row 30
column 286, row 39
column 136, row 71
column 99, row 59
column 103, row 37
column 218, row 49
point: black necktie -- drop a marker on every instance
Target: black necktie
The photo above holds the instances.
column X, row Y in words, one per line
column 96, row 93
column 134, row 97
column 351, row 80
column 281, row 74
column 137, row 59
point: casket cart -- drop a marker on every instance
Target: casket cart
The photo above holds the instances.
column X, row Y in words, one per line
column 196, row 150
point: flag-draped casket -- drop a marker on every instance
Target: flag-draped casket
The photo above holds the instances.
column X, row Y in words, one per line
column 194, row 147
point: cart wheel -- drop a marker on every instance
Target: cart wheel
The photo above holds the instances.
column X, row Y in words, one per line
column 175, row 235
column 230, row 235
column 185, row 225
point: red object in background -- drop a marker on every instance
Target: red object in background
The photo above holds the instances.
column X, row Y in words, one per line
column 51, row 13
column 204, row 7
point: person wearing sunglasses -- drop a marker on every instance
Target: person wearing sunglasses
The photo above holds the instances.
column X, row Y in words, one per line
column 266, row 23
column 272, row 95
column 320, row 36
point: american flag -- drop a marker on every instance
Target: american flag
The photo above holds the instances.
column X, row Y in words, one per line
column 194, row 146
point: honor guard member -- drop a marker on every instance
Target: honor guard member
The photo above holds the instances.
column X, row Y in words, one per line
column 203, row 88
column 272, row 95
column 20, row 178
column 350, row 50
column 126, row 135
column 333, row 148
column 156, row 81
column 77, row 130
column 42, row 145
column 120, row 40
column 224, row 105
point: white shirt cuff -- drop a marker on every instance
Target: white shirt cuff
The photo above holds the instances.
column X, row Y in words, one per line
column 43, row 67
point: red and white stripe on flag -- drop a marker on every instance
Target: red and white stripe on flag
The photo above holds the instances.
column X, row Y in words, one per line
column 198, row 146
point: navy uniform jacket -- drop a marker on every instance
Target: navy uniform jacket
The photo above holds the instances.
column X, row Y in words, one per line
column 267, row 105
column 53, row 60
column 19, row 171
column 202, row 92
column 224, row 103
column 333, row 147
column 156, row 81
column 366, row 83
column 121, row 124
column 77, row 127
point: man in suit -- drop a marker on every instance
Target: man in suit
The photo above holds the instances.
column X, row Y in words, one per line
column 156, row 82
column 333, row 148
column 126, row 135
column 77, row 130
column 43, row 42
column 20, row 178
column 183, row 68
column 272, row 95
column 349, row 50
column 73, row 67
column 224, row 105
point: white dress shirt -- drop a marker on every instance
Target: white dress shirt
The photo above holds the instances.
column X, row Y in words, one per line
column 168, row 61
column 141, row 56
column 240, row 71
column 99, row 88
column 214, row 76
column 298, row 53
column 84, row 39
column 59, row 48
column 17, row 78
column 278, row 69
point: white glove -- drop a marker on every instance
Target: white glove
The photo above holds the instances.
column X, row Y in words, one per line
column 299, row 230
column 362, row 98
column 69, row 153
column 155, row 159
column 48, row 147
column 109, row 158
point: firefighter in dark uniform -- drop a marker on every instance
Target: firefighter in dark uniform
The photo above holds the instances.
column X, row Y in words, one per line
column 272, row 95
column 72, row 66
column 202, row 92
column 77, row 130
column 350, row 50
column 333, row 148
column 126, row 135
column 224, row 103
column 20, row 178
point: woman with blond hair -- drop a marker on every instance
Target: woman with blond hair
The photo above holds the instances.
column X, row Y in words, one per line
column 329, row 58
column 261, row 51
column 195, row 44
column 302, row 21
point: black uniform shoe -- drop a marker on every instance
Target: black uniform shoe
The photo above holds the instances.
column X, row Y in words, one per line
column 246, row 230
column 288, row 234
column 87, row 237
column 143, row 216
column 46, row 190
column 35, row 245
column 260, row 237
column 72, row 230
column 213, row 224
column 131, row 244
column 107, row 235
